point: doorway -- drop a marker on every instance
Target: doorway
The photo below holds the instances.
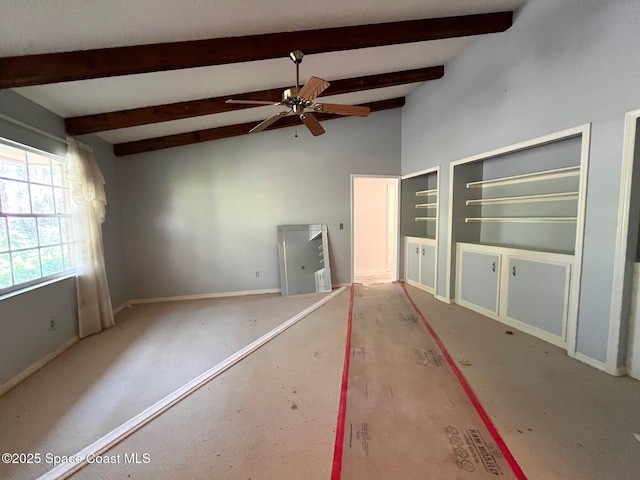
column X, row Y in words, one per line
column 374, row 220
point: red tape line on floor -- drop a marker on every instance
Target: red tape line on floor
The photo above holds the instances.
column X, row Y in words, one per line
column 472, row 396
column 336, row 471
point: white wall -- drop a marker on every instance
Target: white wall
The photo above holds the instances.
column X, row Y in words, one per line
column 203, row 218
column 562, row 64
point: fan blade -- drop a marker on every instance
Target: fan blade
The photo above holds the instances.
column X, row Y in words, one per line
column 314, row 87
column 254, row 102
column 312, row 124
column 351, row 110
column 261, row 126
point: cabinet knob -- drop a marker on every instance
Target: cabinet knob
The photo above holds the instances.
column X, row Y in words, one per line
column 493, row 267
column 422, row 250
column 513, row 270
column 417, row 249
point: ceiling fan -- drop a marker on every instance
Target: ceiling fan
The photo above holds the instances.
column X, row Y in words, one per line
column 298, row 100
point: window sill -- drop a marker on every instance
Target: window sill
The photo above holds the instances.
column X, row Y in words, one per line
column 30, row 288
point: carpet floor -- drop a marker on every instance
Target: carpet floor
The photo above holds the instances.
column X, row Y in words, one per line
column 272, row 416
column 106, row 379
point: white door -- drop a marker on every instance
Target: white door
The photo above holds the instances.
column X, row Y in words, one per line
column 375, row 205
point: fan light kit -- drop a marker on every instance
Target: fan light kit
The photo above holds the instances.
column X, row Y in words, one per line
column 300, row 100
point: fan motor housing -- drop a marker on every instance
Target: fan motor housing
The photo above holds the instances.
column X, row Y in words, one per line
column 290, row 93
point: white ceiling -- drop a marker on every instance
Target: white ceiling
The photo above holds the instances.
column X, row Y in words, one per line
column 33, row 26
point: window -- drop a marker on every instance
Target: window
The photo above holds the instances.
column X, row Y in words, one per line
column 35, row 217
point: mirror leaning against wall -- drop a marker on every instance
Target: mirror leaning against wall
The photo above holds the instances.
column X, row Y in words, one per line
column 303, row 251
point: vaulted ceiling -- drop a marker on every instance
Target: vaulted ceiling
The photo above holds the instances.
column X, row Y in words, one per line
column 152, row 74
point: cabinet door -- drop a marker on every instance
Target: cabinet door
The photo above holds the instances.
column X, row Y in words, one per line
column 480, row 275
column 538, row 294
column 413, row 262
column 428, row 265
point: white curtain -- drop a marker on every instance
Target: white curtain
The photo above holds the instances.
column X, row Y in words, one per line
column 88, row 212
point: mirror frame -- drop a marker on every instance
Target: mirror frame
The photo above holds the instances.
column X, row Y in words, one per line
column 322, row 230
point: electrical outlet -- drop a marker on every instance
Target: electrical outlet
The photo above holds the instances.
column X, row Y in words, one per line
column 257, row 273
column 52, row 324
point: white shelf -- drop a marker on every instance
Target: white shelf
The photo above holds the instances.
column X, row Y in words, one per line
column 522, row 219
column 425, row 219
column 426, row 193
column 543, row 197
column 528, row 177
column 427, row 205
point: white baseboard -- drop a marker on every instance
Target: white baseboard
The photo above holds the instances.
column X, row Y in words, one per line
column 202, row 296
column 443, row 299
column 340, row 285
column 37, row 366
column 617, row 371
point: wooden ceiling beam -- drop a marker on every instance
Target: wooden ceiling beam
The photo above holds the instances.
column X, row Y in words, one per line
column 101, row 122
column 45, row 68
column 228, row 131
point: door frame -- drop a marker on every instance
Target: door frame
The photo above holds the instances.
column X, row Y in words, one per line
column 396, row 236
column 620, row 278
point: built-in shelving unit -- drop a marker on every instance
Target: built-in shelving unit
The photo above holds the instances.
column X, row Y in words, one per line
column 523, row 219
column 543, row 197
column 527, row 177
column 511, row 195
column 516, row 222
column 427, row 206
column 420, row 205
column 419, row 228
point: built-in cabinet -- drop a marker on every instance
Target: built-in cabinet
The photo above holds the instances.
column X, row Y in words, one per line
column 528, row 290
column 516, row 226
column 419, row 227
column 420, row 262
column 478, row 279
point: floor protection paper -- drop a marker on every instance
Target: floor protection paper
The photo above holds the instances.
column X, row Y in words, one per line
column 408, row 415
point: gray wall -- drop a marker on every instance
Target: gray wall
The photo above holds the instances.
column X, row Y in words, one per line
column 562, row 64
column 24, row 318
column 203, row 218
